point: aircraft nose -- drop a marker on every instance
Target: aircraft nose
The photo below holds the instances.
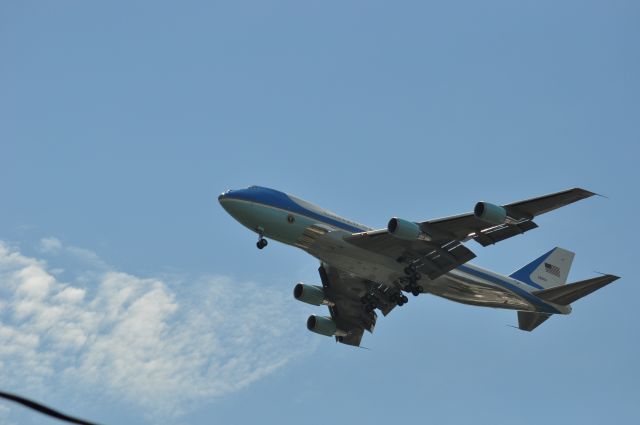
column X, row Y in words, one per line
column 223, row 195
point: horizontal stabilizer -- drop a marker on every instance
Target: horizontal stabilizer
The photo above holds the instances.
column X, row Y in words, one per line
column 566, row 294
column 528, row 321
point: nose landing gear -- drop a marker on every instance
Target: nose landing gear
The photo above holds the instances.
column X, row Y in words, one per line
column 262, row 242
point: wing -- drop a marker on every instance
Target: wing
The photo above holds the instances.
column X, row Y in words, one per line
column 468, row 226
column 346, row 291
column 441, row 250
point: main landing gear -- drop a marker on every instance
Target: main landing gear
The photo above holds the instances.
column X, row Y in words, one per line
column 413, row 276
column 373, row 300
column 401, row 299
column 370, row 302
column 383, row 297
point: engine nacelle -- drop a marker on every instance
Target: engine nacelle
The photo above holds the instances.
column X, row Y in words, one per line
column 309, row 294
column 490, row 213
column 322, row 325
column 404, row 229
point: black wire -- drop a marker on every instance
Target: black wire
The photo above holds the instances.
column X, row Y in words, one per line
column 43, row 409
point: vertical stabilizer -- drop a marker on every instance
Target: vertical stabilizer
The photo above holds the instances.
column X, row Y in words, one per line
column 548, row 271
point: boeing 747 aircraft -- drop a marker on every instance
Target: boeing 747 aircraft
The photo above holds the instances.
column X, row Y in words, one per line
column 363, row 270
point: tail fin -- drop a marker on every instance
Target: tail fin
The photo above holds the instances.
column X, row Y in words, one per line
column 548, row 271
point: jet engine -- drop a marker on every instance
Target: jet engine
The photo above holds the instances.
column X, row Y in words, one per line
column 322, row 325
column 403, row 229
column 309, row 294
column 490, row 213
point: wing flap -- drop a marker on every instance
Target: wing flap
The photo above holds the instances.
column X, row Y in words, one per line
column 348, row 312
column 442, row 260
column 353, row 338
column 496, row 234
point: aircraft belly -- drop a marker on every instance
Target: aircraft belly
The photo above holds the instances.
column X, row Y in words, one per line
column 467, row 291
column 333, row 250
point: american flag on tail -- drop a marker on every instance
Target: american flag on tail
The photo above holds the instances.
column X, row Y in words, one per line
column 550, row 268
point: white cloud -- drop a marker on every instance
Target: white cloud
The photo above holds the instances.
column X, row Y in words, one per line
column 50, row 245
column 146, row 341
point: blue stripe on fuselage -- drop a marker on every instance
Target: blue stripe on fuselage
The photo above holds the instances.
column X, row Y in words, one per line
column 544, row 308
column 277, row 199
column 524, row 274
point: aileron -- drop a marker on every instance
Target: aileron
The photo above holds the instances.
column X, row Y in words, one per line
column 531, row 208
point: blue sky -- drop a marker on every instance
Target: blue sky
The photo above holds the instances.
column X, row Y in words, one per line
column 127, row 295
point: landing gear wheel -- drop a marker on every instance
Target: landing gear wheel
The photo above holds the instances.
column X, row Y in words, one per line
column 415, row 292
column 402, row 300
column 262, row 243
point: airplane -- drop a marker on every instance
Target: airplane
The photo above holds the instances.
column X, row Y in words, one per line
column 364, row 269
